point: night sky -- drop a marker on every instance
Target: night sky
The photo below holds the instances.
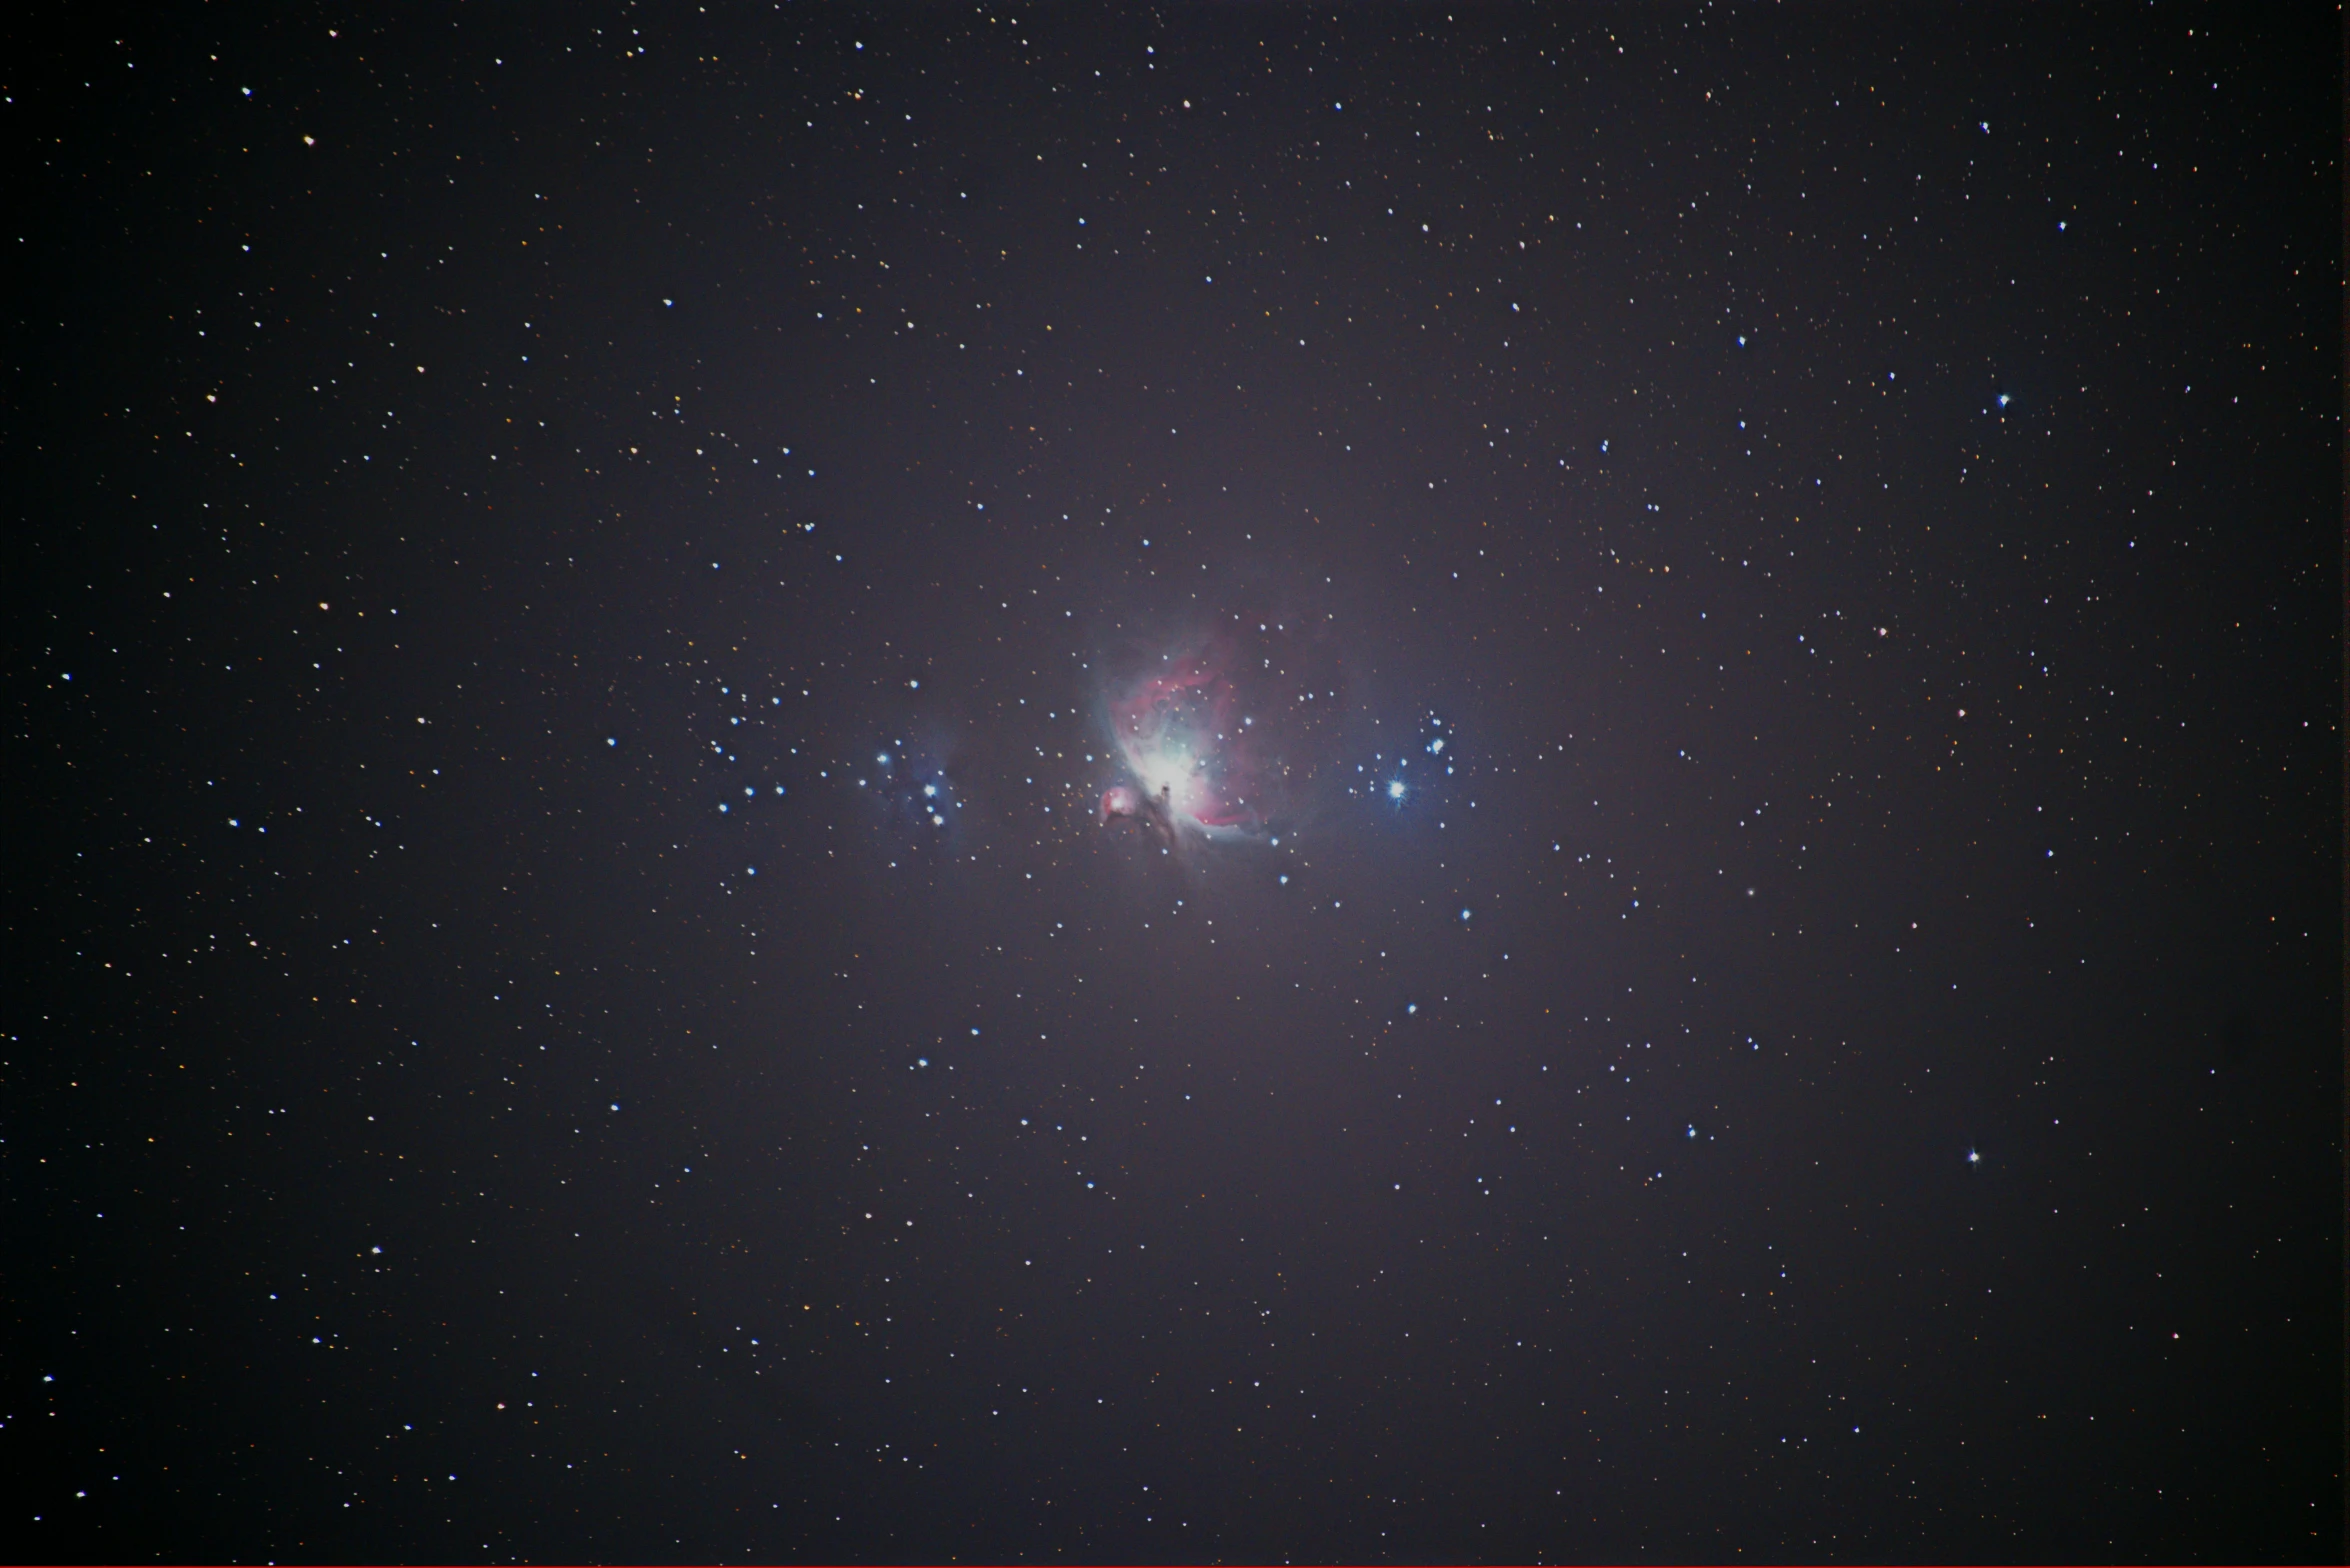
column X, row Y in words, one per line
column 1214, row 782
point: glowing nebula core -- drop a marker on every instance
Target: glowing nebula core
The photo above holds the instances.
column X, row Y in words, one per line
column 1186, row 744
column 1219, row 737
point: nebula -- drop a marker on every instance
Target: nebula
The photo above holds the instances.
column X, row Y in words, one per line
column 1219, row 737
column 1187, row 745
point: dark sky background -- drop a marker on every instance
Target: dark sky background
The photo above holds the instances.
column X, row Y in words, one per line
column 573, row 572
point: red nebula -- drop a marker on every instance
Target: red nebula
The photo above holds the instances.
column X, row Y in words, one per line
column 1120, row 801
